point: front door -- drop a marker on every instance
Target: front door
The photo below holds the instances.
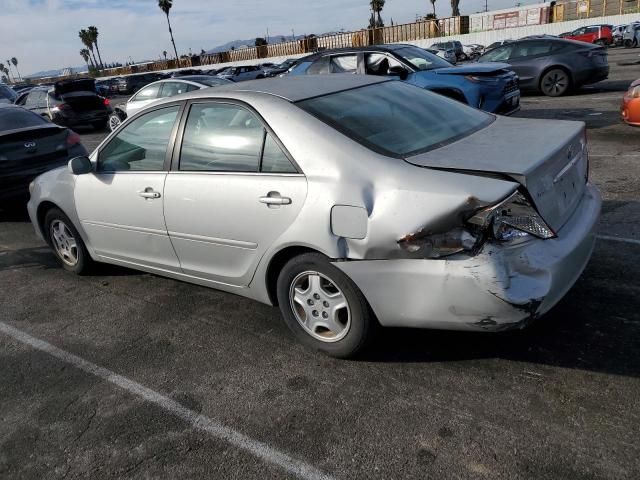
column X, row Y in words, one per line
column 120, row 205
column 231, row 194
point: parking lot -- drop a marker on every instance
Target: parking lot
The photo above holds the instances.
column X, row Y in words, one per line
column 124, row 374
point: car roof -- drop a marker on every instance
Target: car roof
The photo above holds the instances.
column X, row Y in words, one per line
column 293, row 88
column 381, row 48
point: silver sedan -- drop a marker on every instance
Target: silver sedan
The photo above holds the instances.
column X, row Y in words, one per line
column 347, row 200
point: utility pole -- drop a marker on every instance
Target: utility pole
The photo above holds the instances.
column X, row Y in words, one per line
column 486, row 5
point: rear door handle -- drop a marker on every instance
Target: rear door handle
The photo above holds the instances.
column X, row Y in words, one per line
column 149, row 193
column 274, row 198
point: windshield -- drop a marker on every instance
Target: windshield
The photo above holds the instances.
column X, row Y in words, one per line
column 421, row 59
column 395, row 118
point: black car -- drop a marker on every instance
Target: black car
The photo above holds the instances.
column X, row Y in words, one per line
column 70, row 103
column 276, row 70
column 29, row 146
column 552, row 65
column 132, row 83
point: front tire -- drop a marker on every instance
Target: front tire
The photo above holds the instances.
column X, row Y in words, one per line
column 555, row 82
column 66, row 242
column 114, row 121
column 323, row 307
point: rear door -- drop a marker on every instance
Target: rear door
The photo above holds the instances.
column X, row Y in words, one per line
column 232, row 191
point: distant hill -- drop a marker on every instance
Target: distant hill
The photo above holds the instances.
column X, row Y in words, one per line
column 236, row 44
column 55, row 73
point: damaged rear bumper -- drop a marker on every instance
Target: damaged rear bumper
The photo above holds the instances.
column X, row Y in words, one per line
column 501, row 288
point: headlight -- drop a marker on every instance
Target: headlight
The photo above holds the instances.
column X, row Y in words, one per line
column 512, row 219
column 634, row 92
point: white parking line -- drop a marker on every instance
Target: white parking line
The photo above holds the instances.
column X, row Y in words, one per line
column 633, row 241
column 215, row 429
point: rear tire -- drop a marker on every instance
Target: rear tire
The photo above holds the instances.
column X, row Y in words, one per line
column 555, row 83
column 66, row 242
column 323, row 307
column 114, row 121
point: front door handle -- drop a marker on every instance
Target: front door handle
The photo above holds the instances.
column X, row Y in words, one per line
column 149, row 193
column 274, row 198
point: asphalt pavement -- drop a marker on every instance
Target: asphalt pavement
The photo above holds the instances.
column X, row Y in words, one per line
column 122, row 374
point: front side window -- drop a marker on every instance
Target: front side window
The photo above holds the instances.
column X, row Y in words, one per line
column 141, row 145
column 221, row 137
column 499, row 54
column 147, row 93
column 396, row 119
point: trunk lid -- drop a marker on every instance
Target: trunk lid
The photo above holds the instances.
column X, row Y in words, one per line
column 80, row 85
column 547, row 158
column 30, row 151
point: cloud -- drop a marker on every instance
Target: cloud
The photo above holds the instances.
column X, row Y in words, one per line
column 43, row 34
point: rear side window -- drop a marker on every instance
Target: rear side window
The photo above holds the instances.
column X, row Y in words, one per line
column 396, row 119
column 221, row 137
column 529, row 49
column 274, row 159
column 15, row 118
column 344, row 64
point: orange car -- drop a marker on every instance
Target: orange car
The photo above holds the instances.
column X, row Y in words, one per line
column 631, row 104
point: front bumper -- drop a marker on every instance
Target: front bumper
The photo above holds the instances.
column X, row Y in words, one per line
column 501, row 288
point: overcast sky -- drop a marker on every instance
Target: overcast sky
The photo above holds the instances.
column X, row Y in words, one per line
column 43, row 34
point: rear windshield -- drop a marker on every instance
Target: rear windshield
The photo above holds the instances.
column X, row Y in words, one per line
column 15, row 118
column 396, row 119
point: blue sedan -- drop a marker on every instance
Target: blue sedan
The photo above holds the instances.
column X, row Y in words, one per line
column 492, row 87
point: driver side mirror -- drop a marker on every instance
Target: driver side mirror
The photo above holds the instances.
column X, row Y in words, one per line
column 399, row 71
column 80, row 165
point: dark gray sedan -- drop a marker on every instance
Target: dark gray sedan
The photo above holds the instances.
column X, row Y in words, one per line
column 552, row 65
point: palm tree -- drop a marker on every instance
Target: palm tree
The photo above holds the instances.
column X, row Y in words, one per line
column 433, row 4
column 165, row 6
column 93, row 36
column 455, row 8
column 164, row 53
column 14, row 61
column 9, row 72
column 376, row 8
column 87, row 42
column 86, row 56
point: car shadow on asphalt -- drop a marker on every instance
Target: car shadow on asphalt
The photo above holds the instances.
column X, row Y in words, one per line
column 594, row 118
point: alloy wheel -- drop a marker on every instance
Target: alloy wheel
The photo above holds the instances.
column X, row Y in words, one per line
column 64, row 242
column 319, row 306
column 555, row 83
column 114, row 122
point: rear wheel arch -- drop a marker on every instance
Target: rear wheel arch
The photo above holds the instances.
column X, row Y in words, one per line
column 277, row 263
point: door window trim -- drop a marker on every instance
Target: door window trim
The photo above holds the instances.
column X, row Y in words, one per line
column 177, row 146
column 170, row 145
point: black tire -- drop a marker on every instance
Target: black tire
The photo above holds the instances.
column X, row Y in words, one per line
column 83, row 261
column 555, row 82
column 361, row 322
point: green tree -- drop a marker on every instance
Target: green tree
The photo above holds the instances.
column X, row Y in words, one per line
column 14, row 61
column 93, row 36
column 433, row 4
column 376, row 9
column 165, row 6
column 85, row 38
column 455, row 8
